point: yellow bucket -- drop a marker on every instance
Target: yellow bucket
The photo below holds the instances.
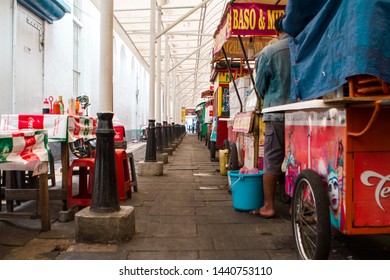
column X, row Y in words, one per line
column 223, row 155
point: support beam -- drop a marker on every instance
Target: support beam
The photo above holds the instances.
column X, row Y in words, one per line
column 152, row 60
column 182, row 18
column 106, row 57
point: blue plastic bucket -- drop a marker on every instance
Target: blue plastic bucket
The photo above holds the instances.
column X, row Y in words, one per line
column 247, row 190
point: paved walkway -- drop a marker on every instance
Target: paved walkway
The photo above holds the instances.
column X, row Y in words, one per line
column 185, row 214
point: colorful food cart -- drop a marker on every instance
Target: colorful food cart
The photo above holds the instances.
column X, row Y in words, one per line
column 337, row 156
column 245, row 28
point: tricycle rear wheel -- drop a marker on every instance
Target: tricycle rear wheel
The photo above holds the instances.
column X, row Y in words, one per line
column 310, row 217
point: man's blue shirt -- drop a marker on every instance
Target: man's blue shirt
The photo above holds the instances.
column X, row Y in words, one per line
column 272, row 80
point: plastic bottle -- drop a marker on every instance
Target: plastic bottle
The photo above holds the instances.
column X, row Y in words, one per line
column 46, row 107
column 57, row 107
column 77, row 107
column 71, row 106
column 62, row 109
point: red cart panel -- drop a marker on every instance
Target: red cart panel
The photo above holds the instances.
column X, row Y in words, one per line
column 372, row 189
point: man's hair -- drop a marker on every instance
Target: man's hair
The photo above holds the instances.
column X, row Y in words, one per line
column 278, row 25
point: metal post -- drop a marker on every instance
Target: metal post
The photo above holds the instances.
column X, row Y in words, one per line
column 150, row 155
column 165, row 134
column 159, row 140
column 169, row 132
column 105, row 187
column 173, row 131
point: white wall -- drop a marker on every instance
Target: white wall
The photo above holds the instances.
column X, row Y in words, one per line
column 129, row 76
column 91, row 49
column 6, row 56
column 58, row 60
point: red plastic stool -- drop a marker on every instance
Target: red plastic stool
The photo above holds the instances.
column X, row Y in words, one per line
column 122, row 174
column 86, row 169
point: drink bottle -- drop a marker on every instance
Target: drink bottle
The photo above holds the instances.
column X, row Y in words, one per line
column 57, row 107
column 46, row 107
column 62, row 104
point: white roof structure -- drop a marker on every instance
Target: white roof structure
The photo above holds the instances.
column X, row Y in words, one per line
column 186, row 29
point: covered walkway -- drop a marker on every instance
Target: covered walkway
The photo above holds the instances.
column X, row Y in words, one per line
column 186, row 214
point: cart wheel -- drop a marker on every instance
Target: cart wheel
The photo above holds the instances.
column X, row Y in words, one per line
column 233, row 157
column 310, row 216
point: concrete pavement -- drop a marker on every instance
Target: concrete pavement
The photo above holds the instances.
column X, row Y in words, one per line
column 186, row 214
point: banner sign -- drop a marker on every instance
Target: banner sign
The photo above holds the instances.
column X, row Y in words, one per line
column 254, row 18
column 233, row 48
column 248, row 19
column 243, row 122
column 56, row 125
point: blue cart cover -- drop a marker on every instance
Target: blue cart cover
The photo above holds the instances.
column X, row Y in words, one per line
column 335, row 39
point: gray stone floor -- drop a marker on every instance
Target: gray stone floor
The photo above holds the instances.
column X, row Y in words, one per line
column 186, row 214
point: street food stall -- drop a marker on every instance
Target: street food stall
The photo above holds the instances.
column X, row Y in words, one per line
column 220, row 78
column 65, row 129
column 245, row 29
column 337, row 157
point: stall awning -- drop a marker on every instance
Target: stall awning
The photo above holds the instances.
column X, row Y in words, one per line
column 49, row 10
column 207, row 93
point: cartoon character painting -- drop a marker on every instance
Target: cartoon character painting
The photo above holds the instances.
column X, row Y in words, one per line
column 314, row 140
column 335, row 181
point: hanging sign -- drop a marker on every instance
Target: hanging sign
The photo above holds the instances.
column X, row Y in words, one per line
column 243, row 122
column 254, row 18
column 233, row 48
column 248, row 19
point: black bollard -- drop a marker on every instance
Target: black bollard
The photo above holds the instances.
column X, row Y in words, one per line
column 159, row 140
column 150, row 155
column 176, row 131
column 169, row 132
column 173, row 132
column 105, row 187
column 165, row 134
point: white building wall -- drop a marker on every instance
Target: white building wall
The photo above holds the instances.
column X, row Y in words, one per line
column 131, row 80
column 6, row 56
column 91, row 50
column 58, row 59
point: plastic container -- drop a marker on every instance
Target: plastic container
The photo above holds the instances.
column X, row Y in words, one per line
column 247, row 190
column 223, row 155
column 57, row 107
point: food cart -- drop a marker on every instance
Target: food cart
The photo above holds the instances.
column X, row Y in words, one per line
column 245, row 28
column 218, row 130
column 200, row 123
column 337, row 158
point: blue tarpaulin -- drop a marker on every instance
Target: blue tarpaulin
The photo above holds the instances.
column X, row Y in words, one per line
column 335, row 39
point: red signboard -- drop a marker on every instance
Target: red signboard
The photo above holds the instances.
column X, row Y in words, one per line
column 254, row 18
column 247, row 19
column 372, row 189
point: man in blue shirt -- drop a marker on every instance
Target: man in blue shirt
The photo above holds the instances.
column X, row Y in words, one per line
column 272, row 83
